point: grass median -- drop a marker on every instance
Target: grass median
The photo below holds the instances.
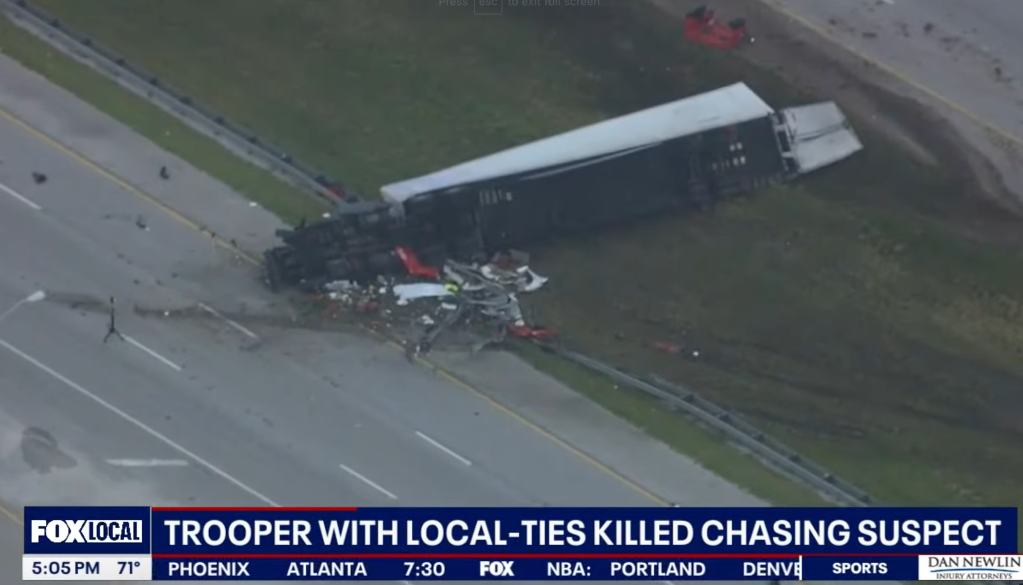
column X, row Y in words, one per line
column 869, row 316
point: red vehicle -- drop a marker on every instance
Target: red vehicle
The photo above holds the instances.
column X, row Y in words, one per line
column 702, row 27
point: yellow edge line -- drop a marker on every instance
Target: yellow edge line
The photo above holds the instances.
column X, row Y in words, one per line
column 432, row 366
column 903, row 77
column 585, row 457
column 10, row 515
column 70, row 152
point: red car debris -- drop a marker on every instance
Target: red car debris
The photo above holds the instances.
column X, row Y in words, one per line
column 414, row 266
column 702, row 27
column 527, row 332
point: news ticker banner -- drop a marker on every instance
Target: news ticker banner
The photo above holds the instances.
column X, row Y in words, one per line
column 537, row 568
column 524, row 544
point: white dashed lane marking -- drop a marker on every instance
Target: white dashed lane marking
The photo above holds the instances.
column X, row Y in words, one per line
column 446, row 450
column 367, row 481
column 20, row 197
column 166, row 361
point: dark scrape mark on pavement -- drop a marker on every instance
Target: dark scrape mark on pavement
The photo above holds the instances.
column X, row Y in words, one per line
column 41, row 451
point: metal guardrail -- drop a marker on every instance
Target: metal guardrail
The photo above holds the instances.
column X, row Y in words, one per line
column 735, row 428
column 732, row 426
column 233, row 136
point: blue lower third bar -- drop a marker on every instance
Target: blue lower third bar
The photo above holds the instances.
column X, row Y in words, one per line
column 475, row 569
column 860, row 568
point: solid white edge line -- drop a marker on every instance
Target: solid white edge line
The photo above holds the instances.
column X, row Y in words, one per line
column 437, row 444
column 20, row 197
column 367, row 481
column 141, row 425
column 234, row 324
column 147, row 462
column 132, row 341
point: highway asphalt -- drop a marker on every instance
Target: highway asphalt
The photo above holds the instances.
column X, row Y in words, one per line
column 500, row 383
column 961, row 57
column 279, row 426
column 198, row 412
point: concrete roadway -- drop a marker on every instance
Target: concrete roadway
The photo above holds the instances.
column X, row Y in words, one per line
column 243, row 407
column 117, row 159
column 197, row 412
column 962, row 57
column 232, row 427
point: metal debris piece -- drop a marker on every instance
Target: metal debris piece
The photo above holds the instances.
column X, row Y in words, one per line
column 472, row 304
column 340, row 285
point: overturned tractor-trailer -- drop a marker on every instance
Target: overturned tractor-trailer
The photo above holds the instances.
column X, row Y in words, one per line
column 688, row 154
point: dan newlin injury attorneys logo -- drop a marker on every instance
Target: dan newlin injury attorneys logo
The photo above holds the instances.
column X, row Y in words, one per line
column 971, row 568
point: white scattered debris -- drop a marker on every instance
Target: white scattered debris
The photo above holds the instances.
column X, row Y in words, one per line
column 478, row 299
column 420, row 290
column 340, row 285
column 522, row 278
column 533, row 282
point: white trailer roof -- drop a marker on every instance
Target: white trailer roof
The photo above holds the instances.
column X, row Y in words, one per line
column 722, row 107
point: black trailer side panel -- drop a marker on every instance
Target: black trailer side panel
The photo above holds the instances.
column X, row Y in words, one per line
column 687, row 172
column 471, row 220
column 576, row 198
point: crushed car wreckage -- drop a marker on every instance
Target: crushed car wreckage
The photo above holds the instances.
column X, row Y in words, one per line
column 703, row 27
column 686, row 155
column 480, row 300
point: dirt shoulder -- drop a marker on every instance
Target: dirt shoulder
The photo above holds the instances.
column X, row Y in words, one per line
column 874, row 97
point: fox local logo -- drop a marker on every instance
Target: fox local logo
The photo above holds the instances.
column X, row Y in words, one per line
column 87, row 531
